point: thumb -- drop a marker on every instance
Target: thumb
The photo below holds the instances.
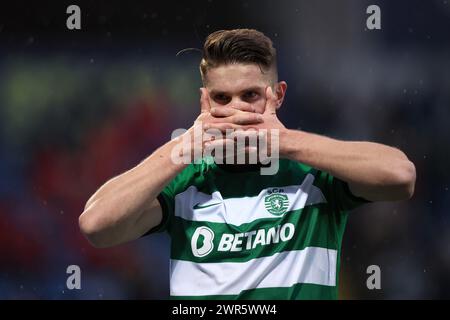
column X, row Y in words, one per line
column 271, row 101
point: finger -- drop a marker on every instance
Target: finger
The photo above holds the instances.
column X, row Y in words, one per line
column 217, row 143
column 202, row 121
column 212, row 134
column 247, row 140
column 240, row 134
column 223, row 111
column 205, row 105
column 232, row 131
column 216, row 147
column 249, row 137
column 271, row 101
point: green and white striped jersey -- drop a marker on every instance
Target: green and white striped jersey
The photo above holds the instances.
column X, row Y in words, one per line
column 243, row 235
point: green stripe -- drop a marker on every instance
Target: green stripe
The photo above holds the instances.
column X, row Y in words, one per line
column 301, row 291
column 314, row 226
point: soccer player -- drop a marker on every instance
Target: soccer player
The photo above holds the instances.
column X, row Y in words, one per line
column 236, row 233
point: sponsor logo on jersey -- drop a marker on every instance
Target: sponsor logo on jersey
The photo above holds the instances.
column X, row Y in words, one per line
column 202, row 242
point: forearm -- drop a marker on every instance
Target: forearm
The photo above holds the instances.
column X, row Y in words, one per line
column 113, row 211
column 372, row 167
column 144, row 180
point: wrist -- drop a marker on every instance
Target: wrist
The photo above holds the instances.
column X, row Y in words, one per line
column 193, row 143
column 181, row 149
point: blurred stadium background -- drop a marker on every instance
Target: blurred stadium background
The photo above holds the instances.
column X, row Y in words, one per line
column 77, row 107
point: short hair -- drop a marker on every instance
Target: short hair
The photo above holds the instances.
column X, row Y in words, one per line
column 238, row 46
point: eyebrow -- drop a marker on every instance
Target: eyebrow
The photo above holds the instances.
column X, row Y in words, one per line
column 255, row 88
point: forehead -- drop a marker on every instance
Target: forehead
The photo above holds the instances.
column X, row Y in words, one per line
column 236, row 77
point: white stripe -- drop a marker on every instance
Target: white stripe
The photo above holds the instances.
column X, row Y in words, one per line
column 237, row 211
column 285, row 269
